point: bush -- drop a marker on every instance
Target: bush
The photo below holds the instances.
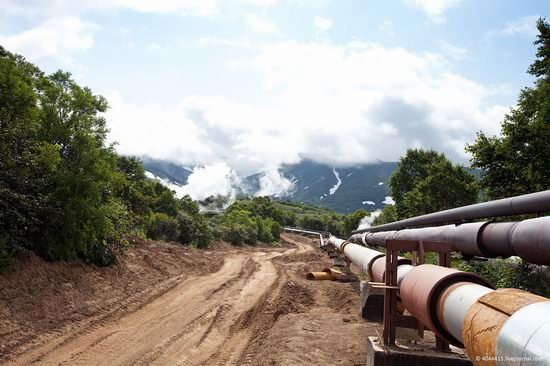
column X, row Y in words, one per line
column 163, row 227
column 194, row 230
column 238, row 227
column 312, row 222
column 511, row 273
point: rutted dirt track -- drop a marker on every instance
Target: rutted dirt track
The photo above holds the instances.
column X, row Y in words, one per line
column 255, row 310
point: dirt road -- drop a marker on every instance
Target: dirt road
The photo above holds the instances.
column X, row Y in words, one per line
column 225, row 318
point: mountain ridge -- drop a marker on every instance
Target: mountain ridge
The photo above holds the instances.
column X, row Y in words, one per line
column 342, row 189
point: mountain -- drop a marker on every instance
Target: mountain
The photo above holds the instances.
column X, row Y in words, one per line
column 166, row 171
column 343, row 189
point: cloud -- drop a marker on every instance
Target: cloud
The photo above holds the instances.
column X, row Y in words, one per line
column 453, row 51
column 217, row 178
column 435, row 9
column 523, row 25
column 340, row 104
column 322, row 24
column 273, row 183
column 387, row 27
column 369, row 219
column 258, row 24
column 56, row 37
column 32, row 8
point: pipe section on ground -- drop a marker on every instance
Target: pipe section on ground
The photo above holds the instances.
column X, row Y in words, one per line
column 538, row 202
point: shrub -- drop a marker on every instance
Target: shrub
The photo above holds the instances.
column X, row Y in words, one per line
column 163, row 227
column 238, row 227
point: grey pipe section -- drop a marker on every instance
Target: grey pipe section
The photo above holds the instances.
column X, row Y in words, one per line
column 528, row 239
column 538, row 202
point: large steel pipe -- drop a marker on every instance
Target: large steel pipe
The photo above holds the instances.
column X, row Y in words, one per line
column 496, row 327
column 423, row 291
column 528, row 239
column 538, row 202
column 508, row 327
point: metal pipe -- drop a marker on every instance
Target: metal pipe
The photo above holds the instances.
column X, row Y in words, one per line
column 464, row 310
column 538, row 202
column 523, row 338
column 301, row 231
column 528, row 239
column 420, row 292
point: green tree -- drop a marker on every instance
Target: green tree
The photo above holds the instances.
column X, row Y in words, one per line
column 351, row 221
column 517, row 161
column 426, row 181
column 239, row 227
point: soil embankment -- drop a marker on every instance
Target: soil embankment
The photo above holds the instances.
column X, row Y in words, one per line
column 166, row 304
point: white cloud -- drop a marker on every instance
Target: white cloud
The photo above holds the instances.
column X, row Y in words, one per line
column 56, row 37
column 453, row 51
column 258, row 24
column 387, row 27
column 368, row 220
column 340, row 104
column 273, row 183
column 435, row 9
column 56, row 7
column 322, row 24
column 523, row 25
column 217, row 178
column 262, row 3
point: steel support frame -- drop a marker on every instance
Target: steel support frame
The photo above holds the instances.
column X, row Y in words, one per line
column 392, row 318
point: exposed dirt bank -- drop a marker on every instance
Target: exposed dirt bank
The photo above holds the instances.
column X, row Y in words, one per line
column 165, row 304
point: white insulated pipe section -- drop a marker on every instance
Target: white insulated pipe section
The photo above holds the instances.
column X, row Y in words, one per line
column 457, row 304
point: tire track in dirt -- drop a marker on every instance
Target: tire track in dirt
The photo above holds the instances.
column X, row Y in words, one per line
column 196, row 321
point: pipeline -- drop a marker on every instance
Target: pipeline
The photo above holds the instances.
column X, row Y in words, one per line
column 527, row 239
column 311, row 232
column 493, row 326
column 538, row 202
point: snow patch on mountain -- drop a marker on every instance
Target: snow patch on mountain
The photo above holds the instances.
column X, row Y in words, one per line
column 338, row 183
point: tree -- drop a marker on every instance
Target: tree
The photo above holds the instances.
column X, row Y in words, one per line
column 351, row 221
column 517, row 162
column 426, row 181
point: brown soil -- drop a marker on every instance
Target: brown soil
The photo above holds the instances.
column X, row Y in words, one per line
column 165, row 304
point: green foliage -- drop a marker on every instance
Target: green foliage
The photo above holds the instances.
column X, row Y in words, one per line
column 511, row 273
column 312, row 222
column 517, row 161
column 351, row 221
column 194, row 229
column 64, row 192
column 163, row 227
column 426, row 181
column 239, row 227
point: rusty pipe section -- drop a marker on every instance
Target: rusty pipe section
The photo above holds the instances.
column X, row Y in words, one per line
column 538, row 202
column 494, row 326
column 527, row 239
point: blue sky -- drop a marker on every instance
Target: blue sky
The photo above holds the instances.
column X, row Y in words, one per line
column 245, row 85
